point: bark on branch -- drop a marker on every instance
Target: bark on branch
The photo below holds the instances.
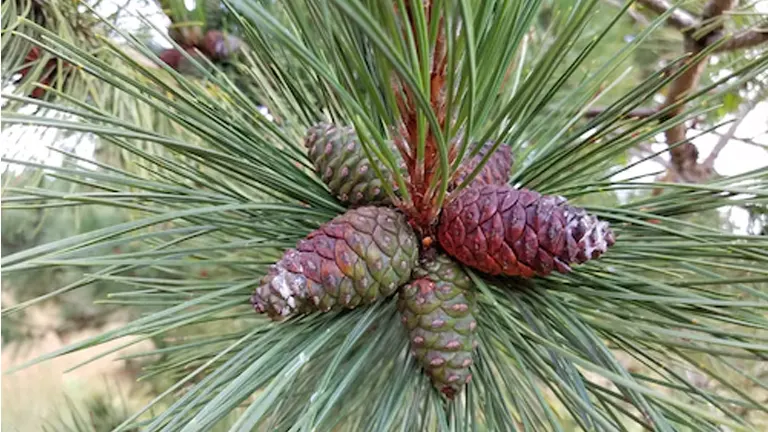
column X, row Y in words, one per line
column 421, row 171
column 746, row 39
column 684, row 158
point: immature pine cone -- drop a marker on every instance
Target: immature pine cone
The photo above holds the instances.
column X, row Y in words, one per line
column 340, row 160
column 495, row 171
column 356, row 258
column 438, row 309
column 501, row 230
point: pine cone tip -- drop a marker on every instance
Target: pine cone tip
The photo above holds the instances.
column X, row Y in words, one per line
column 275, row 296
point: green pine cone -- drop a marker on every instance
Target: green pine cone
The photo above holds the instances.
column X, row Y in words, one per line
column 356, row 258
column 438, row 308
column 340, row 160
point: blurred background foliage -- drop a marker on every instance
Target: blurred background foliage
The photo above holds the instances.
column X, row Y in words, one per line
column 203, row 42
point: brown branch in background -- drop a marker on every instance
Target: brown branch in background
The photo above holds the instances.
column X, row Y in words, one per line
column 679, row 18
column 715, row 8
column 746, row 39
column 684, row 157
column 699, row 34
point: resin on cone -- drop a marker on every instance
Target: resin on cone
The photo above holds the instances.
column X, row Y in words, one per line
column 340, row 160
column 356, row 258
column 495, row 171
column 438, row 308
column 504, row 231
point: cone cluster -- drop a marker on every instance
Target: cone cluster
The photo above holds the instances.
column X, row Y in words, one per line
column 371, row 252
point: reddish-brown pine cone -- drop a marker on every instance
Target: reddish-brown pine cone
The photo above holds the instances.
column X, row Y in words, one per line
column 504, row 231
column 31, row 56
column 47, row 76
column 39, row 92
column 495, row 171
column 218, row 45
column 172, row 57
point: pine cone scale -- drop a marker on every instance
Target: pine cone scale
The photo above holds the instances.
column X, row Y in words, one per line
column 495, row 171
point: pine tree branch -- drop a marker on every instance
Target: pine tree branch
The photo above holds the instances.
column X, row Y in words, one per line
column 679, row 18
column 422, row 168
column 746, row 39
column 684, row 158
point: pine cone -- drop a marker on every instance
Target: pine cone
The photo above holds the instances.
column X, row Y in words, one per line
column 438, row 309
column 219, row 46
column 339, row 158
column 500, row 230
column 356, row 258
column 172, row 57
column 495, row 171
column 177, row 61
column 32, row 55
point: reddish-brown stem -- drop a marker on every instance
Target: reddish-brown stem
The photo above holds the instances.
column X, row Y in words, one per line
column 421, row 210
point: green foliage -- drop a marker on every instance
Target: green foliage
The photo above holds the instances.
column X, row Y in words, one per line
column 672, row 294
column 97, row 414
column 24, row 229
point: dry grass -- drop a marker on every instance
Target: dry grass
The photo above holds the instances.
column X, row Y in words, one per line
column 37, row 396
